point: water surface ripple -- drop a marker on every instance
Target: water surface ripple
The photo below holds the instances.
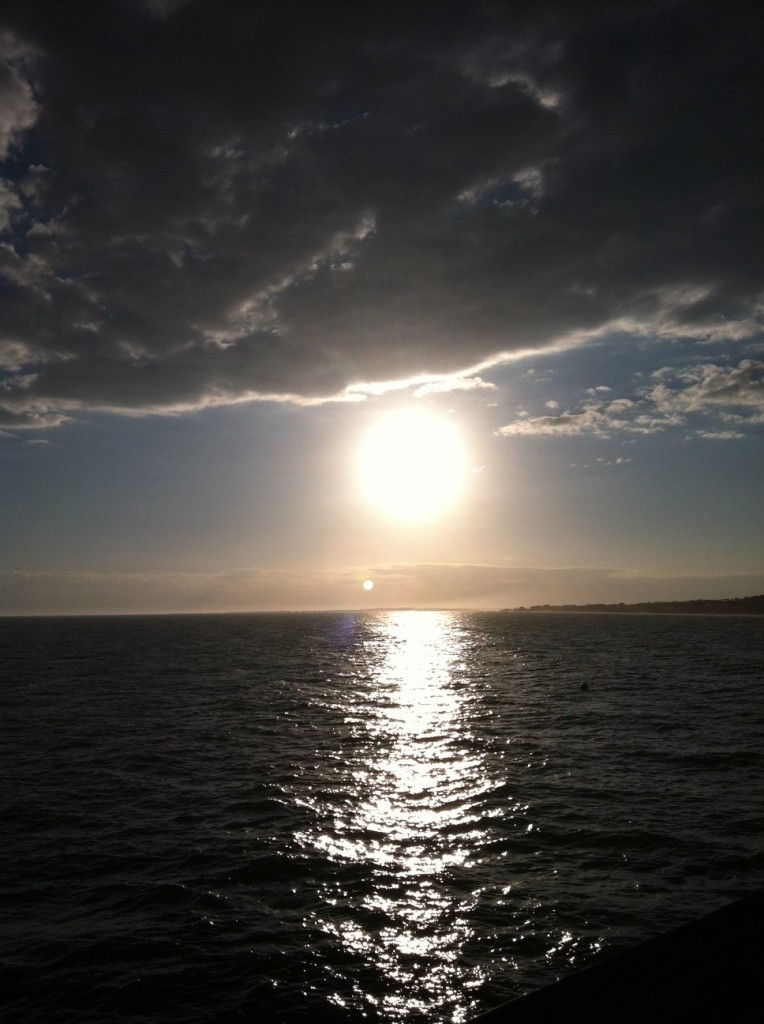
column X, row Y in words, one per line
column 394, row 817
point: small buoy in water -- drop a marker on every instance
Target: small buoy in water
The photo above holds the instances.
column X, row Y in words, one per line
column 584, row 687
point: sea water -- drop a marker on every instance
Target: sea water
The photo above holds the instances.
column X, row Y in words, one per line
column 398, row 816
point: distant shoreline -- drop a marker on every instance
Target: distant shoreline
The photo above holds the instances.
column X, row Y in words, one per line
column 703, row 606
column 721, row 606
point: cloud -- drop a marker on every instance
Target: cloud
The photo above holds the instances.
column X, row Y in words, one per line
column 209, row 202
column 589, row 420
column 447, row 384
column 720, row 435
column 708, row 386
column 18, row 107
column 601, row 463
column 679, row 398
column 47, row 592
column 425, row 585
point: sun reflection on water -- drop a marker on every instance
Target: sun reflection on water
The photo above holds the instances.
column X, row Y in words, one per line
column 408, row 814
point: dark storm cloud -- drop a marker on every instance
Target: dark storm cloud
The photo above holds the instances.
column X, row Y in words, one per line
column 206, row 201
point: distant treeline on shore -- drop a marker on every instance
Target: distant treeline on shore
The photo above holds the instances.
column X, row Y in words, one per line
column 721, row 606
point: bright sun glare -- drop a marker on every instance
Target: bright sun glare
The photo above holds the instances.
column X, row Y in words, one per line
column 412, row 464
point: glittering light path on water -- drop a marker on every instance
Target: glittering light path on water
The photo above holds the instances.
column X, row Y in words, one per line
column 411, row 816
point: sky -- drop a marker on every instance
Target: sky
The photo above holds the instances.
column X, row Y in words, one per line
column 253, row 255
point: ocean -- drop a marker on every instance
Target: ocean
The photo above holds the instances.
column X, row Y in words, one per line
column 344, row 817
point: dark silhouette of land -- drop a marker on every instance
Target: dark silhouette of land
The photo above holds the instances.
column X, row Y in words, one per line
column 720, row 606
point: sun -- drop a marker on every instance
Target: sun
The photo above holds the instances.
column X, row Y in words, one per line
column 412, row 465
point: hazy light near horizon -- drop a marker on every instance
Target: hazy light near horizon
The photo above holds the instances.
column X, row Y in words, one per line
column 412, row 465
column 368, row 584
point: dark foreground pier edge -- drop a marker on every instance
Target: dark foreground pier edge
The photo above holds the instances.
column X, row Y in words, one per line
column 711, row 970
